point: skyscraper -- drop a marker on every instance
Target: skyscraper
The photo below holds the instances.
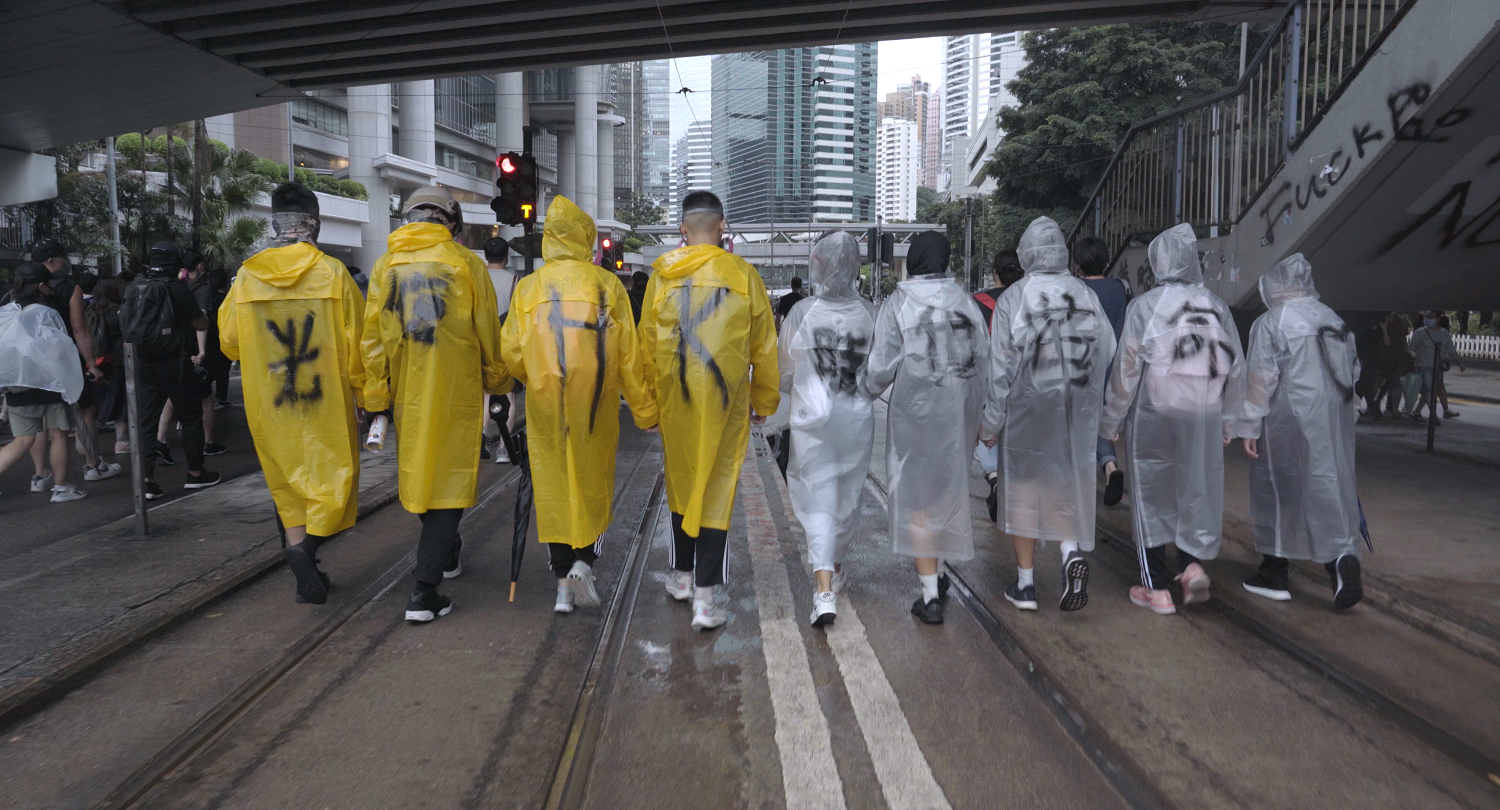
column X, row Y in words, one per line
column 899, row 158
column 656, row 182
column 975, row 71
column 916, row 102
column 794, row 133
column 693, row 160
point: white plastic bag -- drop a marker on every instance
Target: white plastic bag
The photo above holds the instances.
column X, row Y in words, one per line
column 37, row 352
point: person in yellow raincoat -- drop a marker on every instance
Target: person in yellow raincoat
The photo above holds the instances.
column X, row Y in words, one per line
column 293, row 319
column 570, row 338
column 708, row 344
column 432, row 349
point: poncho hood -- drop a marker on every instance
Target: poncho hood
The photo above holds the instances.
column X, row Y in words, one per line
column 938, row 292
column 1174, row 256
column 1287, row 280
column 416, row 236
column 728, row 269
column 1043, row 249
column 569, row 233
column 283, row 267
column 834, row 265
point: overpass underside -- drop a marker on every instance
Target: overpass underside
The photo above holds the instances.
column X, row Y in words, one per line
column 80, row 70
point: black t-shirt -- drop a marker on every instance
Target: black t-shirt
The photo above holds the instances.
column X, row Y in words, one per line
column 784, row 306
column 185, row 310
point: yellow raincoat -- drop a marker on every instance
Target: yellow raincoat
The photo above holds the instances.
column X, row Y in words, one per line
column 293, row 320
column 570, row 337
column 705, row 325
column 432, row 348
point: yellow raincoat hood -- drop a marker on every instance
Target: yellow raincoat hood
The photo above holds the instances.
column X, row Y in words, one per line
column 432, row 350
column 708, row 342
column 570, row 338
column 293, row 319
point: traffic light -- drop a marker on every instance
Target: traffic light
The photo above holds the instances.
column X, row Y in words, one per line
column 611, row 254
column 516, row 184
column 872, row 246
column 887, row 247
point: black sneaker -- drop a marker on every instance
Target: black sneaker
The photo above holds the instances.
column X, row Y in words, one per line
column 930, row 612
column 153, row 490
column 484, row 453
column 1075, row 583
column 1022, row 598
column 312, row 586
column 424, row 606
column 943, row 585
column 164, row 456
column 212, row 449
column 1262, row 585
column 455, row 565
column 993, row 499
column 1347, row 590
column 1114, row 488
column 221, row 404
column 203, row 479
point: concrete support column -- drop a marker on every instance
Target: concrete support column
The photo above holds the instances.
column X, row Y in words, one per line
column 586, row 137
column 510, row 111
column 606, row 169
column 369, row 138
column 418, row 111
column 567, row 166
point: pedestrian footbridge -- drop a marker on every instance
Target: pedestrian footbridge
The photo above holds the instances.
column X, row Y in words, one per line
column 1365, row 135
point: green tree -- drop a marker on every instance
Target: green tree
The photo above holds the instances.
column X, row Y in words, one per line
column 641, row 210
column 1079, row 93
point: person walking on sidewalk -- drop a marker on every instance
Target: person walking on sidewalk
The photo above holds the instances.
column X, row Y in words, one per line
column 570, row 339
column 40, row 375
column 1050, row 345
column 1007, row 267
column 1091, row 255
column 1298, row 425
column 825, row 341
column 1177, row 388
column 930, row 350
column 708, row 349
column 161, row 317
column 431, row 347
column 1427, row 340
column 293, row 319
column 496, row 257
column 211, row 362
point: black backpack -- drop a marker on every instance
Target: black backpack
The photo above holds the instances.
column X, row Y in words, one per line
column 148, row 319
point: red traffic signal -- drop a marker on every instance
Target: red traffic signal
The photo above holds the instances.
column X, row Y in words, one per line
column 606, row 243
column 515, row 204
column 506, row 164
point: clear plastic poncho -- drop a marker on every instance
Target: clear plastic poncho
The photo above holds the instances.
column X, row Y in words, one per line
column 1177, row 388
column 1299, row 401
column 1050, row 344
column 930, row 350
column 825, row 342
column 39, row 351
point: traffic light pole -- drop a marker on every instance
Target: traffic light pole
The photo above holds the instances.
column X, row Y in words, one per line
column 526, row 136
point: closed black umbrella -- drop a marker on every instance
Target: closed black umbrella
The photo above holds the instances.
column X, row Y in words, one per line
column 515, row 446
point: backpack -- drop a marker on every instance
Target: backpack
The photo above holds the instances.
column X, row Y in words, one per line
column 96, row 316
column 148, row 319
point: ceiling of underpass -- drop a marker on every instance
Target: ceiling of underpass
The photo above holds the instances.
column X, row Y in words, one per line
column 80, row 69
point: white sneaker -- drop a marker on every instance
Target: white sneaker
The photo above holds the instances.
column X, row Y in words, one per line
column 838, row 581
column 825, row 609
column 41, row 484
column 67, row 492
column 564, row 597
column 581, row 578
column 680, row 585
column 502, row 456
column 706, row 616
column 101, row 472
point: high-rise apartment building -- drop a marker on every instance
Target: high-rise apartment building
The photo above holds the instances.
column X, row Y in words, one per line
column 975, row 71
column 656, row 160
column 899, row 162
column 693, row 158
column 794, row 133
column 915, row 101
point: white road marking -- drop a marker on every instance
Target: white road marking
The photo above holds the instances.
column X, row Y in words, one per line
column 905, row 776
column 809, row 774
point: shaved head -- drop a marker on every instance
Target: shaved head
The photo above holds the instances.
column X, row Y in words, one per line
column 702, row 218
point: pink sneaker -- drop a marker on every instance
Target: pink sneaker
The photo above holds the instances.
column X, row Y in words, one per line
column 1194, row 581
column 1160, row 602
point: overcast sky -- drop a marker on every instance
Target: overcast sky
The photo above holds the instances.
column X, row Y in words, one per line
column 900, row 58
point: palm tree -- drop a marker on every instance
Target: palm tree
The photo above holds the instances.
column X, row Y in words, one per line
column 230, row 187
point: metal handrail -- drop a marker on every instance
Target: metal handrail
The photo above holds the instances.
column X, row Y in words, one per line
column 1207, row 161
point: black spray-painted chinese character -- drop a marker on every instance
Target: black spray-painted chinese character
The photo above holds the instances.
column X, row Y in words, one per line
column 599, row 326
column 689, row 320
column 298, row 354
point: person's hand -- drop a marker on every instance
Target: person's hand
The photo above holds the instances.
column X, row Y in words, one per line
column 654, row 429
column 1227, row 440
column 1251, row 446
column 756, row 419
column 991, row 442
column 96, row 373
column 198, row 359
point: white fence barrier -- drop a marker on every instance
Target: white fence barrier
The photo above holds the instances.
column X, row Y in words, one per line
column 1483, row 347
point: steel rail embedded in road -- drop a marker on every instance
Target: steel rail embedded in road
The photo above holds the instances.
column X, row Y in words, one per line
column 216, row 721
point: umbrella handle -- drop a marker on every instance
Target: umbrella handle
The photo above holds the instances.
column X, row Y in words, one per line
column 513, row 592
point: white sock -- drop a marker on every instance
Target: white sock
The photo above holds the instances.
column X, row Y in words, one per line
column 929, row 586
column 1023, row 577
column 1068, row 547
column 703, row 594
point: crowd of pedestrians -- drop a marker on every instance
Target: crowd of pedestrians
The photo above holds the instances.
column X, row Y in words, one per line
column 1053, row 379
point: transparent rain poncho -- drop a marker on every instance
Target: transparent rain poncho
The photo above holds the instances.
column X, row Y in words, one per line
column 39, row 352
column 1299, row 401
column 824, row 344
column 930, row 350
column 1050, row 344
column 1177, row 387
